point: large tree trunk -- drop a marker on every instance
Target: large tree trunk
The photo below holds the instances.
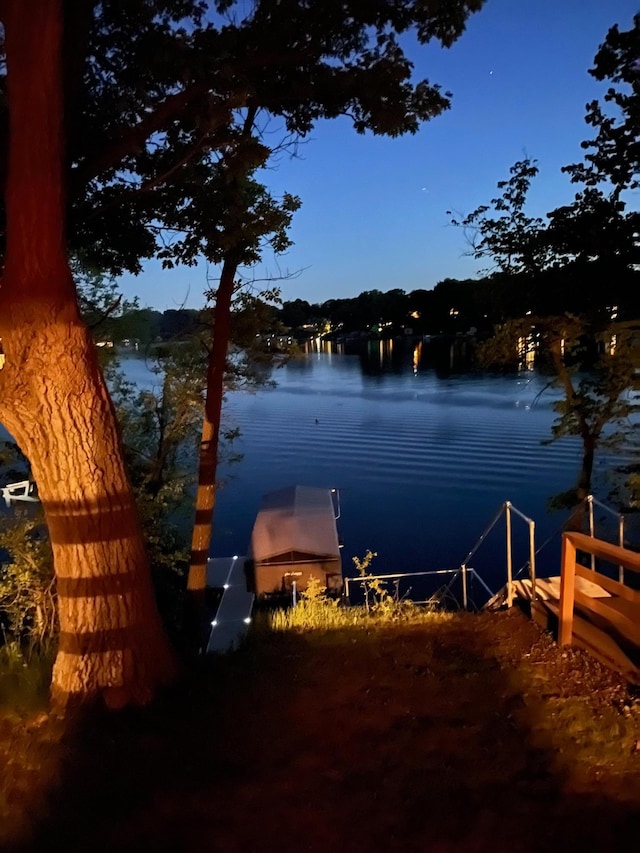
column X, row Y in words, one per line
column 54, row 401
column 208, row 459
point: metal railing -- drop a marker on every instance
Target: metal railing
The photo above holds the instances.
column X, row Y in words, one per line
column 506, row 509
column 590, row 501
column 464, row 571
column 395, row 576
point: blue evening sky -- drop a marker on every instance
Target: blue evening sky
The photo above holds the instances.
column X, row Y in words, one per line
column 373, row 212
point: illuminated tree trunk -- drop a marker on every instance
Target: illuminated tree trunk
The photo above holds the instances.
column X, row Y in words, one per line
column 208, row 459
column 54, row 401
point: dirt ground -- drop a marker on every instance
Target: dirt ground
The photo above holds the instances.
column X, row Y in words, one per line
column 477, row 733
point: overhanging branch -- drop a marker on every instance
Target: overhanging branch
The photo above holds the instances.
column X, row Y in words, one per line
column 132, row 140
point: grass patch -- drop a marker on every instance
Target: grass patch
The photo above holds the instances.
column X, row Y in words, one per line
column 316, row 611
column 454, row 711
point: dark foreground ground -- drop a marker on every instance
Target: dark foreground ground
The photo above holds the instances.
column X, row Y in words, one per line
column 472, row 734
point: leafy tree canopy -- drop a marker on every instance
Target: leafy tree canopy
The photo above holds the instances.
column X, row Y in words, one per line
column 502, row 231
column 157, row 94
column 614, row 154
column 601, row 223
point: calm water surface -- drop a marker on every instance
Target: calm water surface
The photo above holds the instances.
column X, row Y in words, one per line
column 422, row 463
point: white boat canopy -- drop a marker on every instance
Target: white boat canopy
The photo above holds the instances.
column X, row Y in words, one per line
column 295, row 524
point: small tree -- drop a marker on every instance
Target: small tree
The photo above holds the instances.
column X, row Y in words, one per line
column 593, row 236
column 113, row 116
column 252, row 218
column 27, row 584
column 502, row 231
column 596, row 400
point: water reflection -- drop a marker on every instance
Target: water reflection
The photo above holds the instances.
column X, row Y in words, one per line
column 527, row 351
column 444, row 354
column 324, row 346
column 422, row 461
column 417, row 355
column 423, row 457
column 379, row 357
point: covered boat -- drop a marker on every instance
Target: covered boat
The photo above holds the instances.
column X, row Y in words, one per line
column 294, row 536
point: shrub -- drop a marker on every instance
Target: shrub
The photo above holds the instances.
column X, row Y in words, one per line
column 27, row 585
column 318, row 611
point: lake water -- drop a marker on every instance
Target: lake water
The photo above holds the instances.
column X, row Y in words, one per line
column 423, row 462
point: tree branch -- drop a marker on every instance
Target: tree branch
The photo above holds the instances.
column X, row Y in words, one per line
column 132, row 140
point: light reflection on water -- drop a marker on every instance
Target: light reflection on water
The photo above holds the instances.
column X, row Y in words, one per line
column 423, row 462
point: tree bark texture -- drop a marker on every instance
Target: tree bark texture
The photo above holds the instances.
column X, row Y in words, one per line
column 208, row 458
column 54, row 401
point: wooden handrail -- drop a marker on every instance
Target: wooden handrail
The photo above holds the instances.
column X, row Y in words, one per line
column 605, row 550
column 571, row 544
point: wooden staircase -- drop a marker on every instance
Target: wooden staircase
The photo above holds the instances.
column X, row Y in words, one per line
column 585, row 606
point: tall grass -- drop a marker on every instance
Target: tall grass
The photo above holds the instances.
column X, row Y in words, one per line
column 315, row 611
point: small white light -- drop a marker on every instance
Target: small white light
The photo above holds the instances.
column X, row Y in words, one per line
column 235, row 556
column 214, row 623
column 226, row 586
column 247, row 620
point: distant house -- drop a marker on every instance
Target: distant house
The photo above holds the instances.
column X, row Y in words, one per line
column 130, row 343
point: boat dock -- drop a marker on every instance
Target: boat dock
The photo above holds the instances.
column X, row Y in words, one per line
column 233, row 616
column 293, row 537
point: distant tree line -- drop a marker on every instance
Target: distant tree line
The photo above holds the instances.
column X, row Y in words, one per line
column 147, row 325
column 581, row 259
column 459, row 306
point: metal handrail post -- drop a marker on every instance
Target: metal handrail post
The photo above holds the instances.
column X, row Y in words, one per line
column 591, row 500
column 621, row 542
column 336, row 503
column 465, row 602
column 591, row 529
column 509, row 563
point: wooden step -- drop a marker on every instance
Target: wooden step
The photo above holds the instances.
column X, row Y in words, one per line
column 595, row 639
